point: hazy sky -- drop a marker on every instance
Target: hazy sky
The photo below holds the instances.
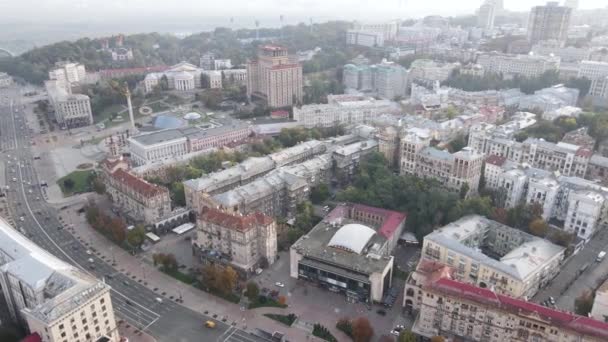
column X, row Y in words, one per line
column 96, row 10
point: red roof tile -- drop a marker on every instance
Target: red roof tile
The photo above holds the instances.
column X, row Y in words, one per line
column 235, row 222
column 138, row 185
column 580, row 324
column 392, row 219
column 584, row 152
column 496, row 160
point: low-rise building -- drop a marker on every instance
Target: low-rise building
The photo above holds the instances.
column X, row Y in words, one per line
column 138, row 199
column 490, row 254
column 342, row 110
column 182, row 77
column 364, row 38
column 213, row 79
column 5, row 79
column 517, row 65
column 550, row 99
column 68, row 74
column 244, row 241
column 50, row 297
column 426, row 69
column 349, row 252
column 235, row 76
column 568, row 54
column 580, row 137
column 485, row 315
column 346, row 159
column 171, row 143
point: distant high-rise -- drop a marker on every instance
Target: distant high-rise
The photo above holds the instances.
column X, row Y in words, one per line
column 275, row 77
column 486, row 14
column 571, row 4
column 549, row 22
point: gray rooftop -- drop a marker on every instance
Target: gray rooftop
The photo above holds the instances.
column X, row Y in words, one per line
column 62, row 286
column 519, row 263
column 216, row 126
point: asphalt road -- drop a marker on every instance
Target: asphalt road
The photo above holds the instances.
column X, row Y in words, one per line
column 132, row 301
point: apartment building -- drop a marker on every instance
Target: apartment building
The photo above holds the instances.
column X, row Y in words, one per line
column 138, row 199
column 426, row 69
column 71, row 110
column 387, row 79
column 460, row 311
column 244, row 241
column 198, row 191
column 568, row 54
column 275, row 77
column 486, row 15
column 599, row 91
column 578, row 203
column 51, row 298
column 517, row 65
column 346, row 159
column 452, row 170
column 489, row 254
column 549, row 22
column 68, row 74
column 388, row 145
column 342, row 110
column 166, row 144
column 593, row 70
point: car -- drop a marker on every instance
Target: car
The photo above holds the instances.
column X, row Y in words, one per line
column 89, row 252
column 91, row 260
column 381, row 312
column 125, row 283
column 14, row 179
column 59, row 228
column 128, row 302
column 210, row 324
column 279, row 284
column 159, row 300
column 21, row 218
column 109, row 276
column 395, row 332
column 552, row 300
column 30, row 191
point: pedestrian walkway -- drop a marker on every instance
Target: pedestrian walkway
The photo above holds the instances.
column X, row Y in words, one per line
column 192, row 297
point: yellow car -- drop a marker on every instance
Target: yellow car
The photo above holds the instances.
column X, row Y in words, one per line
column 210, row 324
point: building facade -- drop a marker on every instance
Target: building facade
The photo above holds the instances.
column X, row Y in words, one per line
column 138, row 199
column 5, row 79
column 245, row 241
column 71, row 110
column 549, row 22
column 275, row 77
column 51, row 298
column 182, row 77
column 459, row 311
column 517, row 65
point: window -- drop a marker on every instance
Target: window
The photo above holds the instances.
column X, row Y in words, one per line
column 63, row 334
column 61, row 327
column 75, row 335
column 84, row 321
column 102, row 301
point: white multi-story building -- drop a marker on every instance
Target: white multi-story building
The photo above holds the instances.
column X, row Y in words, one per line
column 599, row 91
column 71, row 110
column 275, row 77
column 247, row 241
column 68, row 73
column 182, row 76
column 213, row 79
column 387, row 79
column 426, row 69
column 51, row 298
column 363, row 38
column 5, row 79
column 593, row 69
column 549, row 22
column 342, row 110
column 221, row 64
column 517, row 65
column 235, row 76
column 568, row 54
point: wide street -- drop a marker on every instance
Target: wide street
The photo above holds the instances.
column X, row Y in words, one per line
column 133, row 302
column 579, row 274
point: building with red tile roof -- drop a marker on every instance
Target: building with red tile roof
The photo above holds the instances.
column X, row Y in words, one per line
column 246, row 242
column 460, row 311
column 134, row 196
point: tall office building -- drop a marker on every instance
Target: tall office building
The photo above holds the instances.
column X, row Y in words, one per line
column 571, row 4
column 275, row 77
column 486, row 14
column 549, row 22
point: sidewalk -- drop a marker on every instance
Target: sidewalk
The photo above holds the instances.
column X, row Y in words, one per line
column 193, row 298
column 130, row 332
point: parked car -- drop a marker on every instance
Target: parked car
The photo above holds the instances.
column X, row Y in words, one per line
column 279, row 284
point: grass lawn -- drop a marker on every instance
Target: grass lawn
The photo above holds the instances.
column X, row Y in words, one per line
column 285, row 319
column 107, row 113
column 266, row 302
column 158, row 107
column 80, row 182
column 183, row 277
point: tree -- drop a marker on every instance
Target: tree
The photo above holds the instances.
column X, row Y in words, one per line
column 228, row 279
column 210, row 275
column 178, row 196
column 319, row 193
column 538, row 227
column 437, row 339
column 407, row 336
column 584, row 303
column 362, row 330
column 169, row 262
column 98, row 186
column 68, row 183
column 136, row 236
column 464, row 190
column 253, row 291
column 118, row 229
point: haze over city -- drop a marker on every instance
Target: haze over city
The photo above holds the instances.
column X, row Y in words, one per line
column 307, row 170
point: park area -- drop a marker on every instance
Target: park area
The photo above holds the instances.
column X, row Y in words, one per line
column 76, row 182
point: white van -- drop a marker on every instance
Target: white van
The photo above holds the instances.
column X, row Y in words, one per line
column 159, row 300
column 600, row 256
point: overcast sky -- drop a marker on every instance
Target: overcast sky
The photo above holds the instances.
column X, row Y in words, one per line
column 69, row 10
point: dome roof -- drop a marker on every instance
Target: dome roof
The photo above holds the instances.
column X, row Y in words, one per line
column 352, row 237
column 192, row 116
